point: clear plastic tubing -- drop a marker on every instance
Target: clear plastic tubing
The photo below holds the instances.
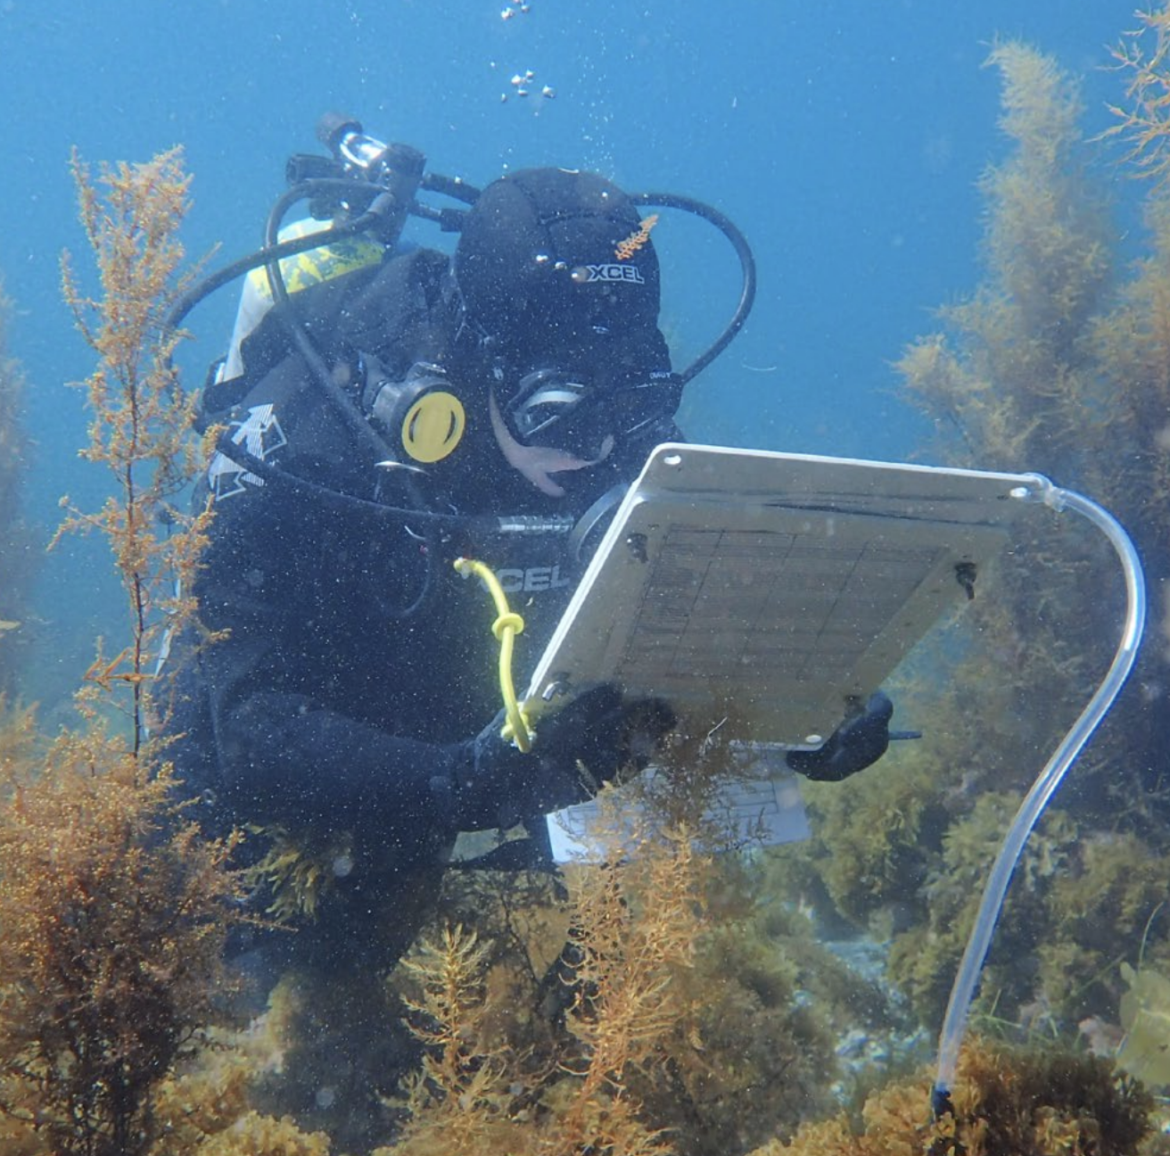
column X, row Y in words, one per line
column 955, row 1022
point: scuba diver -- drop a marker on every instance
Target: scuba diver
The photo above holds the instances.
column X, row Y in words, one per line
column 388, row 409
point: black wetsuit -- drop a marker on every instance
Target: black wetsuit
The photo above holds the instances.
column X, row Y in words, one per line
column 327, row 707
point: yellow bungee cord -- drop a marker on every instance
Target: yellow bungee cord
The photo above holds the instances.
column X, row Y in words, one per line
column 506, row 626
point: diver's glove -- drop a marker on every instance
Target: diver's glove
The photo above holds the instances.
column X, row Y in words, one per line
column 588, row 742
column 856, row 744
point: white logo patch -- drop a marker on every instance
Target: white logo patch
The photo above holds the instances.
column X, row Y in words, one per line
column 260, row 434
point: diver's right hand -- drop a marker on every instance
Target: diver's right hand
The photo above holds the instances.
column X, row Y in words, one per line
column 856, row 744
column 575, row 750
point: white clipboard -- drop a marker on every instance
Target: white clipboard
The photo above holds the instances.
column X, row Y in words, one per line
column 789, row 585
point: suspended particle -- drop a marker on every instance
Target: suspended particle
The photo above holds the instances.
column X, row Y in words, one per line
column 548, row 92
column 517, row 80
column 507, row 13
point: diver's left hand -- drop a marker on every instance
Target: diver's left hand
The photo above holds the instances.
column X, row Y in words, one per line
column 856, row 744
column 593, row 740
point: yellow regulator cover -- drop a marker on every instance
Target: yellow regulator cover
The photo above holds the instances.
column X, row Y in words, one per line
column 433, row 426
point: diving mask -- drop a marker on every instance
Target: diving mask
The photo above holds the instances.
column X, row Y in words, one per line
column 553, row 407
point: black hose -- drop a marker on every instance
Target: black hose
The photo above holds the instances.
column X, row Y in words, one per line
column 366, row 436
column 454, row 187
column 267, row 472
column 185, row 302
column 747, row 263
column 363, row 432
column 400, row 515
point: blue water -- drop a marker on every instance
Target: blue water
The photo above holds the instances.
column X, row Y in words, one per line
column 845, row 138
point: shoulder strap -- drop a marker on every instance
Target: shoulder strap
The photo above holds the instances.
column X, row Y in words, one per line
column 400, row 315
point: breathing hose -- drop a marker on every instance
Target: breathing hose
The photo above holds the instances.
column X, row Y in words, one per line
column 747, row 264
column 990, row 906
